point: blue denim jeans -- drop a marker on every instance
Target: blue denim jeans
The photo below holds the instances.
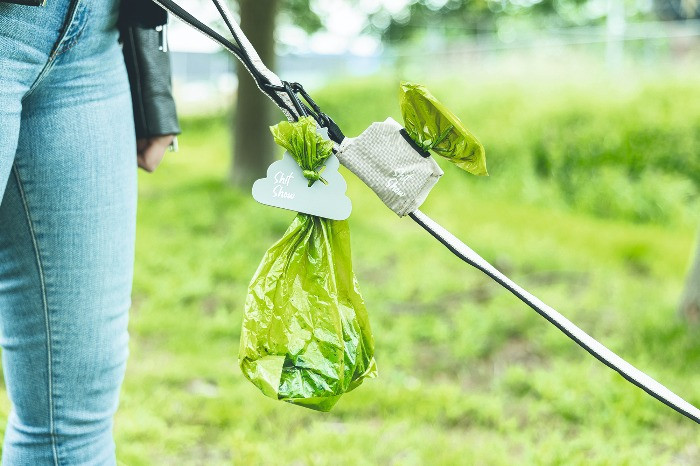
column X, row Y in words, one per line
column 67, row 226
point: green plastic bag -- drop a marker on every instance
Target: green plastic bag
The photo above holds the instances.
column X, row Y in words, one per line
column 434, row 127
column 306, row 337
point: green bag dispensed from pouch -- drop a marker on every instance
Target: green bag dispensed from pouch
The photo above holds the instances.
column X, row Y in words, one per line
column 433, row 127
column 306, row 337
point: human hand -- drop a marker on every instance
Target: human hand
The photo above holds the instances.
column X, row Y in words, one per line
column 150, row 151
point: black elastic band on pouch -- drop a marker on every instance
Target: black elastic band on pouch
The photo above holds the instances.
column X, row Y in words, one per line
column 423, row 153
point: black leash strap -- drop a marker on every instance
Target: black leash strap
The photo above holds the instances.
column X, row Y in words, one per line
column 291, row 98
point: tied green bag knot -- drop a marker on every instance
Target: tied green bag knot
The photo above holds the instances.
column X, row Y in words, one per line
column 313, row 176
column 305, row 145
column 306, row 337
column 435, row 128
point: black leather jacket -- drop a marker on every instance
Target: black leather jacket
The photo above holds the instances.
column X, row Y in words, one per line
column 147, row 63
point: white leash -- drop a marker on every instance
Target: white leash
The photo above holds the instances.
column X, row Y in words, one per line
column 603, row 354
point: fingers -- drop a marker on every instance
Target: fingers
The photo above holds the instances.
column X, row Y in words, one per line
column 150, row 152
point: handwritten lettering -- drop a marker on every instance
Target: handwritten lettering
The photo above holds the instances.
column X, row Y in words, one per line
column 278, row 191
column 281, row 178
column 398, row 180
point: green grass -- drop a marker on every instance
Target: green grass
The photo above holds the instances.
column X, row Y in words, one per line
column 622, row 149
column 468, row 374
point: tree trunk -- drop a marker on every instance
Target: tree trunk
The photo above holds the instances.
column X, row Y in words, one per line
column 690, row 303
column 253, row 148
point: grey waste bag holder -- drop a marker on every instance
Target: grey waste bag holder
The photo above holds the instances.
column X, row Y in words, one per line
column 402, row 176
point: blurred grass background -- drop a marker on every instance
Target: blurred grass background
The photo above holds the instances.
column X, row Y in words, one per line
column 592, row 205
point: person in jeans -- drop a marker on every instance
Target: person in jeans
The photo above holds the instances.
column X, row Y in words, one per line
column 84, row 95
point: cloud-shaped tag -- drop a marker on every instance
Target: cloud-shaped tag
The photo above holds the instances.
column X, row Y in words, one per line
column 286, row 187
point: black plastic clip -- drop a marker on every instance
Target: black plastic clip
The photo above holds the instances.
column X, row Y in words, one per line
column 308, row 107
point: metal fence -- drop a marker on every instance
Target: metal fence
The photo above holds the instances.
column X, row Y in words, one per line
column 201, row 78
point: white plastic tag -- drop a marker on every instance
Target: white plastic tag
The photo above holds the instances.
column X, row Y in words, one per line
column 285, row 187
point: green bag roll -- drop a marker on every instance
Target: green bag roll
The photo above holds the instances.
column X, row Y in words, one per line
column 306, row 337
column 435, row 128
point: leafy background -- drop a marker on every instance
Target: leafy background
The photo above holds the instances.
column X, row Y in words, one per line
column 468, row 374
